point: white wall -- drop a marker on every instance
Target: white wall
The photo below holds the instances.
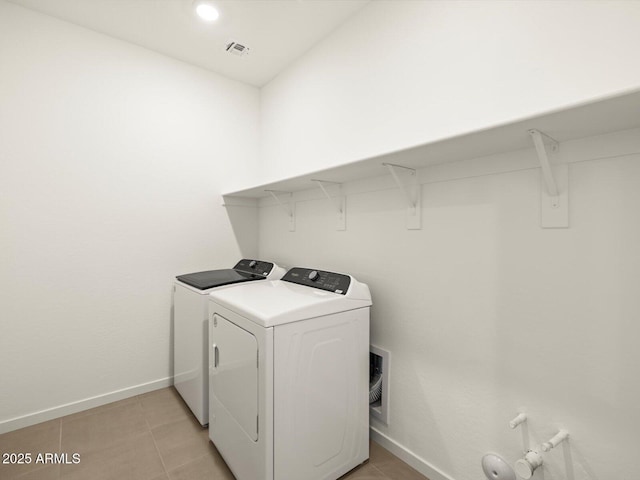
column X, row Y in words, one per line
column 486, row 314
column 112, row 158
column 402, row 73
column 505, row 316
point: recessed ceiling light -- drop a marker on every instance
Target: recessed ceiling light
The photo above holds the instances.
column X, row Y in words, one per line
column 206, row 11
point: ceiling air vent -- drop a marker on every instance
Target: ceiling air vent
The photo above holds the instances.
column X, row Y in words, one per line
column 237, row 49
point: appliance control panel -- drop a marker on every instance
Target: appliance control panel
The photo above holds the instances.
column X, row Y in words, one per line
column 332, row 282
column 255, row 267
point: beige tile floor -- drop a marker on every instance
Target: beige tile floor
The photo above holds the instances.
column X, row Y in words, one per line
column 148, row 437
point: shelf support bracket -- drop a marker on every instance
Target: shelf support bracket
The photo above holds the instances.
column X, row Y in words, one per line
column 414, row 200
column 554, row 196
column 339, row 202
column 288, row 207
column 547, row 173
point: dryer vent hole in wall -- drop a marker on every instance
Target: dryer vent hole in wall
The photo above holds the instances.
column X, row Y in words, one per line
column 375, row 379
column 379, row 383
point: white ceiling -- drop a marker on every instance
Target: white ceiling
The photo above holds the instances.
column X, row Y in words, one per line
column 276, row 31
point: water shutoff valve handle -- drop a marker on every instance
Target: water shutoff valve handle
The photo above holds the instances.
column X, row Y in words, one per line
column 521, row 418
column 558, row 438
column 527, row 465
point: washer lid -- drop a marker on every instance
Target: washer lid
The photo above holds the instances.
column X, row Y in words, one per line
column 276, row 302
column 217, row 278
column 245, row 270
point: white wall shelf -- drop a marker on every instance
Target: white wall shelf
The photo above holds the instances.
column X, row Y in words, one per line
column 543, row 133
column 615, row 113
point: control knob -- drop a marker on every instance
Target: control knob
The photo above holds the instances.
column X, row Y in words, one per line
column 253, row 264
column 314, row 276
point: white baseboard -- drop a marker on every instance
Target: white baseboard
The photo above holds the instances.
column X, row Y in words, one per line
column 80, row 405
column 407, row 456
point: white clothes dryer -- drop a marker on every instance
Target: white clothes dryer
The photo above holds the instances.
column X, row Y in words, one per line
column 190, row 330
column 289, row 376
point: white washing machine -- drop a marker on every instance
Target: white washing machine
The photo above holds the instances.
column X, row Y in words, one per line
column 190, row 331
column 289, row 376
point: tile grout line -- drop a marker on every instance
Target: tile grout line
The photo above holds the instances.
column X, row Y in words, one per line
column 24, row 474
column 153, row 438
column 182, row 464
column 105, row 408
column 137, row 402
column 381, row 472
column 164, row 467
column 160, row 454
column 188, row 462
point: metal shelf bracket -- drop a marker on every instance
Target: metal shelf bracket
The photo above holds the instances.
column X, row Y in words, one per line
column 554, row 197
column 412, row 194
column 547, row 173
column 339, row 201
column 289, row 207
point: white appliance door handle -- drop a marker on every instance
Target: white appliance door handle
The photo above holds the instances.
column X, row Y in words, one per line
column 216, row 356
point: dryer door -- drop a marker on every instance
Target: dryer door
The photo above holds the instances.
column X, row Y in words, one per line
column 234, row 374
